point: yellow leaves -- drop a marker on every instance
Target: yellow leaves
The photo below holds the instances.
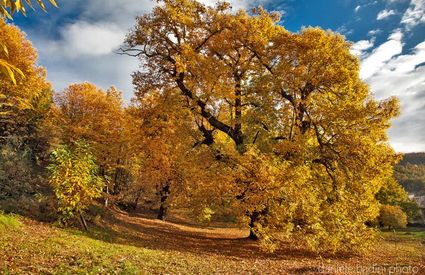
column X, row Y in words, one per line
column 9, row 7
column 180, row 65
column 5, row 67
column 392, row 216
column 73, row 176
column 24, row 86
column 87, row 112
column 295, row 134
column 10, row 70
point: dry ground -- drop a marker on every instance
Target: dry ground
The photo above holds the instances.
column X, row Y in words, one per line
column 134, row 244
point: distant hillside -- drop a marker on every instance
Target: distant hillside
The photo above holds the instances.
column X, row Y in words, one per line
column 413, row 158
column 410, row 172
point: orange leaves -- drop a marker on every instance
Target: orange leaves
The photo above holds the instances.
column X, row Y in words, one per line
column 23, row 82
column 277, row 103
column 7, row 9
column 84, row 112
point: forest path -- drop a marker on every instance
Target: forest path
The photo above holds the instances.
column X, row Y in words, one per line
column 179, row 235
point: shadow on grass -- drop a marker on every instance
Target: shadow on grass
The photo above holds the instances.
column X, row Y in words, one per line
column 145, row 232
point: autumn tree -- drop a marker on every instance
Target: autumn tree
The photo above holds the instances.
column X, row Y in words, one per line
column 85, row 112
column 23, row 107
column 74, row 178
column 29, row 95
column 165, row 140
column 288, row 103
column 392, row 193
column 392, row 216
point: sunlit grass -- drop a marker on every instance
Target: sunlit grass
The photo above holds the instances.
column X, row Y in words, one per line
column 8, row 222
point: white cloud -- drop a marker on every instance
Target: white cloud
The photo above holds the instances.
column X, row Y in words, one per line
column 104, row 71
column 402, row 76
column 235, row 4
column 357, row 8
column 385, row 14
column 361, row 46
column 84, row 39
column 374, row 32
column 415, row 14
column 381, row 55
column 408, row 63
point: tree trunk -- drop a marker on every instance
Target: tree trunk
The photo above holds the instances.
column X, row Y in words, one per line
column 82, row 221
column 107, row 197
column 253, row 218
column 164, row 193
column 136, row 201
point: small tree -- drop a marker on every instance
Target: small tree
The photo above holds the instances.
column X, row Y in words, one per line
column 392, row 216
column 392, row 193
column 73, row 175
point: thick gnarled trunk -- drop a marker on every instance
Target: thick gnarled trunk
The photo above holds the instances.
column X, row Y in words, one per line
column 253, row 219
column 163, row 207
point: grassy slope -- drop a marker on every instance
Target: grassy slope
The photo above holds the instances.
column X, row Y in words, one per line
column 133, row 245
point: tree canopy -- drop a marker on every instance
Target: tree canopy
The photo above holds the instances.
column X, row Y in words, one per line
column 292, row 103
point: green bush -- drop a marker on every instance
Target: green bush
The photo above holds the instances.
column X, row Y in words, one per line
column 73, row 175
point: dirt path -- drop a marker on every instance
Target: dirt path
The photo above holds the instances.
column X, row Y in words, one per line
column 163, row 235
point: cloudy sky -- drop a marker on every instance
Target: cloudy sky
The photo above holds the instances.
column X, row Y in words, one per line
column 77, row 41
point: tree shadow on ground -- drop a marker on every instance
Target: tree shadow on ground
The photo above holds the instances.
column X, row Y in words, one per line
column 143, row 231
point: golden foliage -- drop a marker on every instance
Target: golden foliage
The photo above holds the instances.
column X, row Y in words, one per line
column 392, row 216
column 7, row 9
column 10, row 7
column 73, row 176
column 303, row 141
column 20, row 54
column 25, row 102
column 85, row 112
column 233, row 114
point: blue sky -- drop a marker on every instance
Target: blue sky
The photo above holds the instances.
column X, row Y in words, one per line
column 77, row 41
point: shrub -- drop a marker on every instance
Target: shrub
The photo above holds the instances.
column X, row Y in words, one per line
column 16, row 173
column 73, row 175
column 392, row 217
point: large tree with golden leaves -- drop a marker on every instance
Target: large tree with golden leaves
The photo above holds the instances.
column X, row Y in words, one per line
column 310, row 149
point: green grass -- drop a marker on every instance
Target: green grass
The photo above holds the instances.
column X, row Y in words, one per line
column 42, row 248
column 412, row 233
column 9, row 222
